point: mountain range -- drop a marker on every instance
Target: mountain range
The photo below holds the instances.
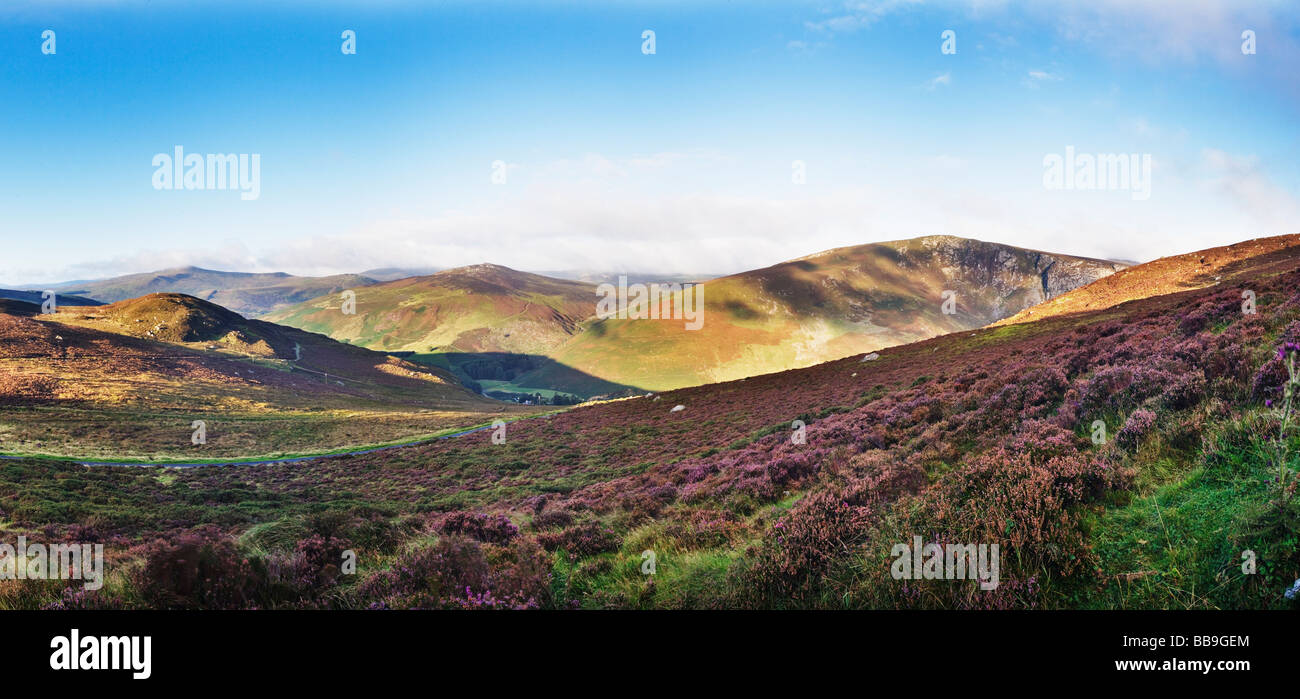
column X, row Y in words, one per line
column 513, row 334
column 247, row 293
column 531, row 332
column 418, row 354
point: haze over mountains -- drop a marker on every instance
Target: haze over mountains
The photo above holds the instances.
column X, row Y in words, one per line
column 249, row 294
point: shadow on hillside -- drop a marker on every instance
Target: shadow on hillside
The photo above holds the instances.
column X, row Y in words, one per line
column 480, row 371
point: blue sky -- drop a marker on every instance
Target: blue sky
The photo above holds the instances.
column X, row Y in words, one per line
column 679, row 161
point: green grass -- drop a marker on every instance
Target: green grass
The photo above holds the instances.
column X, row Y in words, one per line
column 510, row 387
column 1179, row 542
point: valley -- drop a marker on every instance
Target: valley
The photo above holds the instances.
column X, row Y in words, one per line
column 125, row 381
column 985, row 434
column 794, row 314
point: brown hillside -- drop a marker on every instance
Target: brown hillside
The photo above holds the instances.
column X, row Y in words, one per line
column 1166, row 275
column 132, row 376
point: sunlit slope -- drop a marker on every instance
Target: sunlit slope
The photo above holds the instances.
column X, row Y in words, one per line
column 827, row 306
column 482, row 308
column 794, row 314
column 1166, row 275
column 127, row 379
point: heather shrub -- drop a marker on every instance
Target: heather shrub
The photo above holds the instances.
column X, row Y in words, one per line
column 316, row 560
column 1039, row 440
column 200, row 569
column 648, row 502
column 1077, row 363
column 585, row 539
column 521, row 573
column 552, row 519
column 492, row 529
column 1185, row 391
column 1029, row 505
column 1034, row 394
column 429, row 576
column 1227, row 366
column 1106, row 329
column 704, row 528
column 1268, row 380
column 536, row 503
column 1116, row 388
column 786, row 569
column 791, row 467
column 1194, row 321
column 885, row 476
column 1137, row 426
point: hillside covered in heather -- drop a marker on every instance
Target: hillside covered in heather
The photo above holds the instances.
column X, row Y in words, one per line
column 987, row 435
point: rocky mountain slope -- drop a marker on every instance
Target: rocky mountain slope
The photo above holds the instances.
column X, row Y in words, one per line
column 1166, row 275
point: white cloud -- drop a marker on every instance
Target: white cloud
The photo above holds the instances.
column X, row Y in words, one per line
column 943, row 80
column 858, row 15
column 600, row 217
column 1183, row 31
column 1151, row 32
column 1241, row 181
column 1037, row 77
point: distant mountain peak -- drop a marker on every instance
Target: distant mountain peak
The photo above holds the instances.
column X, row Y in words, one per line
column 481, row 268
column 193, row 270
column 247, row 293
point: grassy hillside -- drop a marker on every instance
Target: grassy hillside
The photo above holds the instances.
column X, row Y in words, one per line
column 483, row 322
column 126, row 380
column 986, row 436
column 795, row 314
column 482, row 308
column 827, row 306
